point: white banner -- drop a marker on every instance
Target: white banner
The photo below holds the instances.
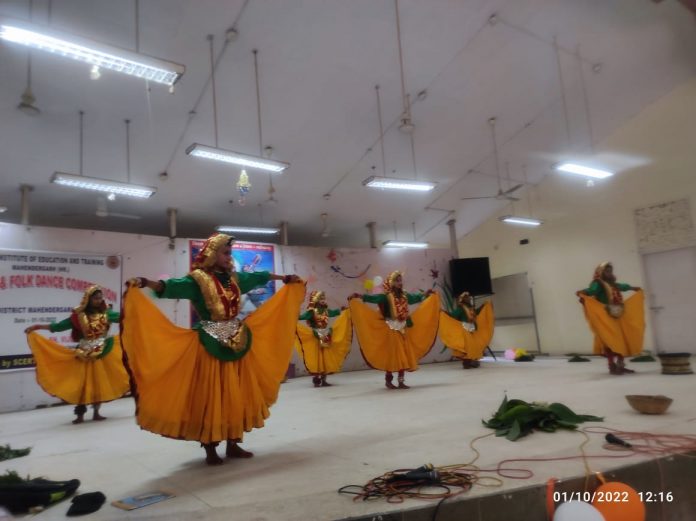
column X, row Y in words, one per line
column 42, row 287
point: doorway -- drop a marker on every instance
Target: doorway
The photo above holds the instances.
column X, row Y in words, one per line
column 671, row 279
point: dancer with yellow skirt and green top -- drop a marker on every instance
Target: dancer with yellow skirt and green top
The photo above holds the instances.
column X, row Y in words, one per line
column 467, row 331
column 393, row 340
column 90, row 373
column 618, row 326
column 218, row 380
column 323, row 348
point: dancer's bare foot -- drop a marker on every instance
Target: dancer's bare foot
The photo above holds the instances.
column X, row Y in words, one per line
column 235, row 451
column 98, row 417
column 79, row 419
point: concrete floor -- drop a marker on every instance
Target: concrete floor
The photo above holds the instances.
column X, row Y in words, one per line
column 318, row 440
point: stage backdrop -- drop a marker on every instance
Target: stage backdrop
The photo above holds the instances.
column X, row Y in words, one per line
column 38, row 287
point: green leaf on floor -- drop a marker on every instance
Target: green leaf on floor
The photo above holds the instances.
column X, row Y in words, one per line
column 7, row 452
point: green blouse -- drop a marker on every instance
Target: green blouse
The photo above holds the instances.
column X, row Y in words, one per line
column 381, row 300
column 55, row 327
column 64, row 325
column 596, row 289
column 188, row 289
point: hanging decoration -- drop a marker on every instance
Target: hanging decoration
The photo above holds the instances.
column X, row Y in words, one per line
column 338, row 270
column 243, row 186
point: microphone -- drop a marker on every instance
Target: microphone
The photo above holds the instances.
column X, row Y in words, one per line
column 423, row 473
column 433, row 476
column 617, row 441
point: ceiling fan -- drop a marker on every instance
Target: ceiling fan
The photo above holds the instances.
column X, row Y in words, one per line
column 102, row 211
column 502, row 195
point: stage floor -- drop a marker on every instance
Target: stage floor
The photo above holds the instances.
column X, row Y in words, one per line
column 318, row 440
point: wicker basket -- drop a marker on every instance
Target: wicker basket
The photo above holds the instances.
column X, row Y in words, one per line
column 675, row 363
column 647, row 404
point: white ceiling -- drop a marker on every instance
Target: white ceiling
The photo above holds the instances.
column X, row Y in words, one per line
column 319, row 62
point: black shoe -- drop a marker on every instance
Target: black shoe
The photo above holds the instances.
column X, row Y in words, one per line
column 86, row 503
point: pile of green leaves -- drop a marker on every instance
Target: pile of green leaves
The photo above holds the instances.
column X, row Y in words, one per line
column 517, row 418
column 8, row 452
column 10, row 477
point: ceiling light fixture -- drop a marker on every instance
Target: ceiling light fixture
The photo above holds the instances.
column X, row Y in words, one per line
column 95, row 53
column 236, row 158
column 406, row 126
column 404, row 244
column 524, row 221
column 574, row 168
column 228, row 156
column 248, row 229
column 568, row 166
column 394, row 183
column 102, row 185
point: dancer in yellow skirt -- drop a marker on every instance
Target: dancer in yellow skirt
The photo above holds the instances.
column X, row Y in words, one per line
column 618, row 326
column 466, row 331
column 323, row 348
column 393, row 340
column 92, row 372
column 218, row 380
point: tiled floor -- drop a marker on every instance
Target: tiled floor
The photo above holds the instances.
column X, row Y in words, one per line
column 318, row 440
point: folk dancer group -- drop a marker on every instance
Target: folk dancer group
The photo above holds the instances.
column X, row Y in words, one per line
column 218, row 380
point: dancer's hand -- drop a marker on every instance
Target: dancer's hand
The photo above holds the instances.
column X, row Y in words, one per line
column 354, row 295
column 636, row 288
column 35, row 327
column 429, row 292
column 136, row 282
column 292, row 279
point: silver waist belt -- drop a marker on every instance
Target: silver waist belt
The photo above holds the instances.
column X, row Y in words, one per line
column 222, row 330
column 396, row 325
column 91, row 344
column 469, row 326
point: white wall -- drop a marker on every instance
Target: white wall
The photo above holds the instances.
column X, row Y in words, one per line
column 585, row 226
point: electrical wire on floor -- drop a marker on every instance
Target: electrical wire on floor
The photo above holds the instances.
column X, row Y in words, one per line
column 443, row 482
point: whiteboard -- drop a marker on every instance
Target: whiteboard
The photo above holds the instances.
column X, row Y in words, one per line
column 512, row 297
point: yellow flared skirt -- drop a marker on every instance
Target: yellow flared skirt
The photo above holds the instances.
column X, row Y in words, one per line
column 183, row 392
column 624, row 335
column 465, row 344
column 325, row 360
column 79, row 382
column 389, row 350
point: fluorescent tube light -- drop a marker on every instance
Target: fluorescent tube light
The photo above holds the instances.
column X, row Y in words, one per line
column 248, row 229
column 236, row 158
column 102, row 185
column 573, row 168
column 393, row 183
column 100, row 55
column 525, row 221
column 404, row 244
